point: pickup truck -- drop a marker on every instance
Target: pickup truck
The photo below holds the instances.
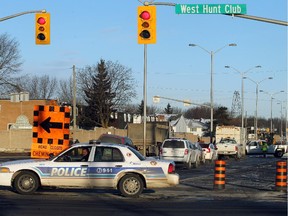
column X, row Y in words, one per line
column 254, row 148
column 229, row 147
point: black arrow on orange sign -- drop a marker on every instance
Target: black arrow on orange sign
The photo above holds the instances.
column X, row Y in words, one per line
column 46, row 125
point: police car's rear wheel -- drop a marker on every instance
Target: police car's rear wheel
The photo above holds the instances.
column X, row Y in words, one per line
column 131, row 185
column 26, row 183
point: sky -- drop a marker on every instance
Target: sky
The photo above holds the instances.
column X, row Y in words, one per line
column 83, row 32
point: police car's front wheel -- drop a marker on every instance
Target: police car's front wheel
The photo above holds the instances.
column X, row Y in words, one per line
column 26, row 182
column 131, row 185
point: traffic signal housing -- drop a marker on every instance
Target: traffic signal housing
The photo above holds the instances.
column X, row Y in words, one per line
column 42, row 28
column 146, row 24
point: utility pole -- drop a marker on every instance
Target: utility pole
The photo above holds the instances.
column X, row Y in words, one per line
column 74, row 98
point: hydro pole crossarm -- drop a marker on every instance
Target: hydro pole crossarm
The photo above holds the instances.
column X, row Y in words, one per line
column 261, row 19
column 20, row 14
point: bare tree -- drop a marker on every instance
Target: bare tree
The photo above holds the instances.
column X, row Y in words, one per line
column 39, row 87
column 65, row 93
column 9, row 63
column 122, row 83
column 197, row 112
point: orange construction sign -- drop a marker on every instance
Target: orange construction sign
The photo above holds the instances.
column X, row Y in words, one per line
column 50, row 130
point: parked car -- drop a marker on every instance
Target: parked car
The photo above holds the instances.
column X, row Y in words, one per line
column 210, row 151
column 200, row 152
column 112, row 138
column 181, row 151
column 108, row 166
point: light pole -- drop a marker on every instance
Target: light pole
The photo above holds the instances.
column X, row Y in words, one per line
column 242, row 97
column 271, row 107
column 281, row 128
column 212, row 53
column 256, row 112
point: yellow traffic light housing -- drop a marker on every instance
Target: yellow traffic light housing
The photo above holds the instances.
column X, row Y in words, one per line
column 42, row 28
column 146, row 18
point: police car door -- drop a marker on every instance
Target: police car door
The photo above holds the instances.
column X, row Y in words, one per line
column 253, row 148
column 71, row 168
column 107, row 163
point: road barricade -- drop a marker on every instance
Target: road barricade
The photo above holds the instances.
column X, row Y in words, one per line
column 219, row 174
column 281, row 176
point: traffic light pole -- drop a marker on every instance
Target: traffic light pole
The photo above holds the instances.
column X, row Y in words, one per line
column 20, row 14
column 144, row 99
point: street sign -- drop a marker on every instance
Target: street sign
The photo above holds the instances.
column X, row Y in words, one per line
column 50, row 130
column 210, row 8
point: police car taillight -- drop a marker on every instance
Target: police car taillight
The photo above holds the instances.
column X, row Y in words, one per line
column 171, row 168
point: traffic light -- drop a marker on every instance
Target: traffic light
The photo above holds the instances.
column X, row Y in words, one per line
column 42, row 27
column 146, row 24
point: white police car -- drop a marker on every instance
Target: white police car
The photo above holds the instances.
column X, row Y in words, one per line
column 107, row 166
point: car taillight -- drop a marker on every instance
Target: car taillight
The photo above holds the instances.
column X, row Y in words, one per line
column 236, row 148
column 208, row 150
column 186, row 152
column 161, row 151
column 171, row 168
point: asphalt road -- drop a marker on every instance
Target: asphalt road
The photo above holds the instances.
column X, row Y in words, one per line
column 249, row 190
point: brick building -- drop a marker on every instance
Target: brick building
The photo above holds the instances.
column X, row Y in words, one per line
column 18, row 114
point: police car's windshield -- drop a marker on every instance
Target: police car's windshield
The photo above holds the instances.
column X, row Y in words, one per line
column 137, row 153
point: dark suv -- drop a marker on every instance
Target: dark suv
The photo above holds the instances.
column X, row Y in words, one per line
column 111, row 138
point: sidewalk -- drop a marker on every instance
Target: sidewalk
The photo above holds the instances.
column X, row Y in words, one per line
column 14, row 153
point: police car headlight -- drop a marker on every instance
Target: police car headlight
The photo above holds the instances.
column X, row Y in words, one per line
column 4, row 170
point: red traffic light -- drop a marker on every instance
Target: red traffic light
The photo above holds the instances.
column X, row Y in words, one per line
column 146, row 22
column 145, row 15
column 42, row 28
column 41, row 20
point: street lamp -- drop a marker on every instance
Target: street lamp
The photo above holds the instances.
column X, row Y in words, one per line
column 212, row 53
column 242, row 96
column 271, row 98
column 156, row 99
column 256, row 112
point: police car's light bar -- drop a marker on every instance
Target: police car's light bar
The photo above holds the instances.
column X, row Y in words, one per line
column 94, row 142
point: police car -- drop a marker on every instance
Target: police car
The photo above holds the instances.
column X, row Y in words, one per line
column 106, row 166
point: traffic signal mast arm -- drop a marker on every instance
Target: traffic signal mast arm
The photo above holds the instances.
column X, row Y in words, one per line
column 20, row 14
column 245, row 16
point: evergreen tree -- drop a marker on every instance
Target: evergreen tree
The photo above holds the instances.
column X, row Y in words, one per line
column 99, row 97
column 222, row 115
column 141, row 108
column 168, row 109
